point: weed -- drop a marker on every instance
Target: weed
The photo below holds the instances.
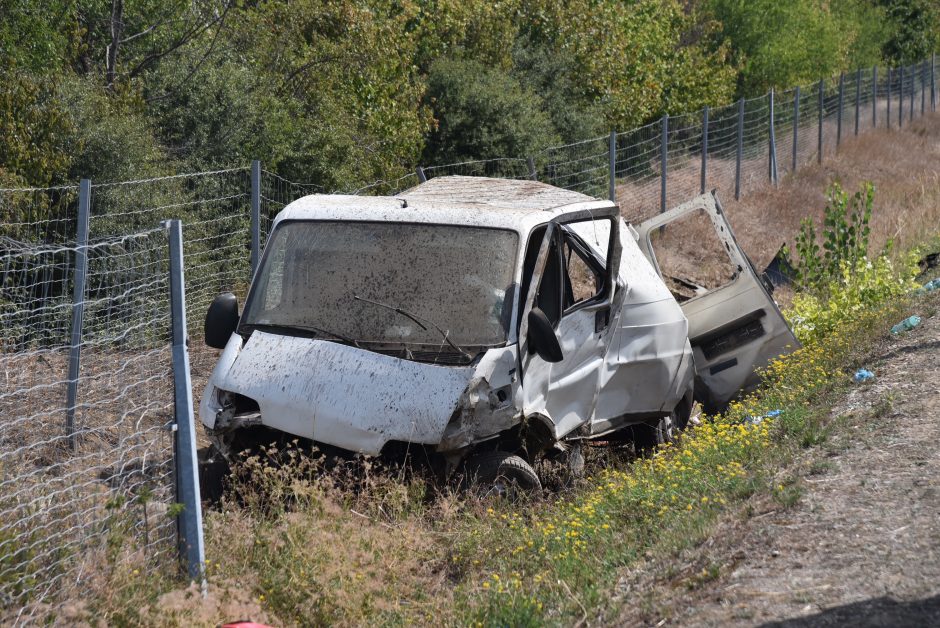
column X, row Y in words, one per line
column 787, row 494
column 844, row 237
column 884, row 407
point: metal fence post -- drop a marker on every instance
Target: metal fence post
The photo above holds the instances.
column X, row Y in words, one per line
column 874, row 96
column 663, row 158
column 421, row 176
column 740, row 151
column 704, row 175
column 841, row 107
column 772, row 145
column 923, row 87
column 820, row 142
column 796, row 124
column 901, row 97
column 78, row 309
column 533, row 172
column 889, row 99
column 858, row 96
column 913, row 73
column 189, row 522
column 933, row 82
column 255, row 215
column 612, row 158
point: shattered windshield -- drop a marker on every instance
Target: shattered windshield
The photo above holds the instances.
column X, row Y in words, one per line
column 459, row 278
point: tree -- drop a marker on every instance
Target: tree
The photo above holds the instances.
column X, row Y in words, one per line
column 483, row 113
column 781, row 44
column 914, row 30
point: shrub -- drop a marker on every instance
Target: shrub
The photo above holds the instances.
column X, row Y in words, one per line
column 483, row 113
column 857, row 288
column 844, row 238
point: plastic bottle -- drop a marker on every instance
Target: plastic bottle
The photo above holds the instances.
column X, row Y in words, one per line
column 906, row 325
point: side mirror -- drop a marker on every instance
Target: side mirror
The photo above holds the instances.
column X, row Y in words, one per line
column 542, row 338
column 221, row 320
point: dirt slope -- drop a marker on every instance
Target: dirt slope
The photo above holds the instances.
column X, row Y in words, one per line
column 862, row 545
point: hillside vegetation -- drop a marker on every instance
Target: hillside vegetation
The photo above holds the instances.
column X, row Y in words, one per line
column 345, row 92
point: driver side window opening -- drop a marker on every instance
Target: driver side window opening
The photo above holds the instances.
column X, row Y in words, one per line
column 571, row 277
column 549, row 295
column 582, row 280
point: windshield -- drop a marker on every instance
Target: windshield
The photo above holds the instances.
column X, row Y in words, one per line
column 345, row 279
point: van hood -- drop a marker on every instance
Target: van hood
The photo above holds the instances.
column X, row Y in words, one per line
column 337, row 394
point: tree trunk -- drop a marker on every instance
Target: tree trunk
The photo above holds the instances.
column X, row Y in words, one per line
column 117, row 30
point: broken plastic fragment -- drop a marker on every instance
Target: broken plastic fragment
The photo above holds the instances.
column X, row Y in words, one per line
column 930, row 286
column 906, row 325
column 756, row 420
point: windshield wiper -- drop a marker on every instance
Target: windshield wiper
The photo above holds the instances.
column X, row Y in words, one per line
column 416, row 319
column 316, row 330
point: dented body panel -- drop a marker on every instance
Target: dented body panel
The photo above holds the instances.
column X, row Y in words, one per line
column 341, row 395
column 624, row 340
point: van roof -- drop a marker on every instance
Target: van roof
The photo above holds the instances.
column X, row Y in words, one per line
column 471, row 201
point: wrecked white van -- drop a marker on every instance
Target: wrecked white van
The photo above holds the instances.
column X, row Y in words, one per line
column 484, row 320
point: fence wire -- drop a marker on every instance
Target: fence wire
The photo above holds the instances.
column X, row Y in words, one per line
column 72, row 504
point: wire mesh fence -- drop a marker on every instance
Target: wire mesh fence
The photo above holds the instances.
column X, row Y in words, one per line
column 75, row 499
column 69, row 490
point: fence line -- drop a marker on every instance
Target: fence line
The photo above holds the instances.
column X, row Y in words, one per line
column 86, row 453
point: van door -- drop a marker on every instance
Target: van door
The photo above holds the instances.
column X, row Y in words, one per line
column 735, row 327
column 573, row 285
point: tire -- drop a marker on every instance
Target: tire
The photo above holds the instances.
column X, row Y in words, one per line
column 648, row 436
column 504, row 474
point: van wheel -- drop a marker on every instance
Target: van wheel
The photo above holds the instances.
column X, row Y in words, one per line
column 503, row 474
column 648, row 436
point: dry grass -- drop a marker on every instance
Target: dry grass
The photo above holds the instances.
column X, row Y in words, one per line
column 904, row 166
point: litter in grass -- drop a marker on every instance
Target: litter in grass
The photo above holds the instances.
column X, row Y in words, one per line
column 756, row 420
column 862, row 375
column 906, row 325
column 930, row 286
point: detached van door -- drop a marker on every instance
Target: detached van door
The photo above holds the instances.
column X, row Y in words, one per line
column 735, row 327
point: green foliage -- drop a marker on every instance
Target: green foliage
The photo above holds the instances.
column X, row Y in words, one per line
column 337, row 93
column 38, row 37
column 914, row 27
column 638, row 60
column 483, row 113
column 844, row 237
column 34, row 125
column 111, row 137
column 553, row 77
column 781, row 44
column 853, row 292
column 839, row 281
column 342, row 98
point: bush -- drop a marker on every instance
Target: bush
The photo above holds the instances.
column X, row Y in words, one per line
column 856, row 289
column 844, row 238
column 483, row 113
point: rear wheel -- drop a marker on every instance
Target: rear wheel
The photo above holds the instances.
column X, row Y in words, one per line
column 503, row 474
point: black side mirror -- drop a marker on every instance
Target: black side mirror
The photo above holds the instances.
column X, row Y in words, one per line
column 542, row 338
column 221, row 320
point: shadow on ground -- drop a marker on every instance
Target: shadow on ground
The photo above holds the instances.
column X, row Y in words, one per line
column 882, row 611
